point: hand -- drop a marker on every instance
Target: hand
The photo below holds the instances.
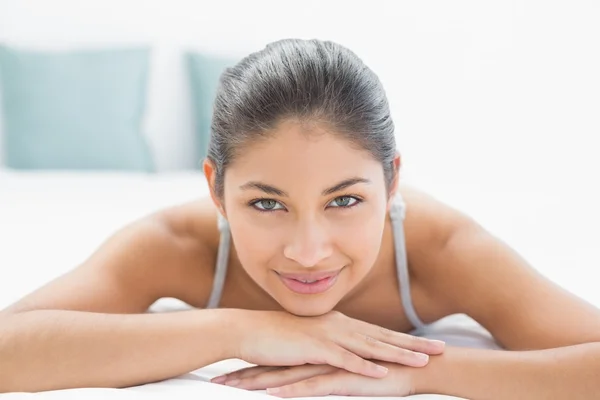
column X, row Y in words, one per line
column 272, row 338
column 318, row 380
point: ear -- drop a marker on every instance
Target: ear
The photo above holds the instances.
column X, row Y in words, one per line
column 210, row 173
column 397, row 164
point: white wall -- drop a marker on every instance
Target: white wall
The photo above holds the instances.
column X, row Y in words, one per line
column 481, row 91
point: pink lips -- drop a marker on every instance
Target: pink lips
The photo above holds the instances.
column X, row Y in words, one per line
column 310, row 283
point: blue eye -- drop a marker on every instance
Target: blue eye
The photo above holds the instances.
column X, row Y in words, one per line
column 269, row 205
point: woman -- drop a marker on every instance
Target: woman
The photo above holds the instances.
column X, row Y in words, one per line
column 331, row 262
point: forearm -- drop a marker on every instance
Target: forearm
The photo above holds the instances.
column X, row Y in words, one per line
column 55, row 349
column 568, row 372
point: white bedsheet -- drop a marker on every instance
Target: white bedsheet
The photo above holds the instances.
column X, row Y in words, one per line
column 50, row 222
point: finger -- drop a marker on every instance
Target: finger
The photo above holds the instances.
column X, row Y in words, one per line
column 404, row 340
column 371, row 348
column 283, row 376
column 347, row 360
column 244, row 373
column 342, row 383
column 320, row 385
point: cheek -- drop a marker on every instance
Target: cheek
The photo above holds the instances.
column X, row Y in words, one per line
column 254, row 248
column 362, row 244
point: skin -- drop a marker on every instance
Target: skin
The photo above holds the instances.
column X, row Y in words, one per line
column 306, row 231
column 455, row 266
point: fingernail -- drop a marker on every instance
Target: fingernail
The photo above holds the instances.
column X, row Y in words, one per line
column 219, row 379
column 438, row 343
column 422, row 356
column 383, row 369
column 232, row 382
column 272, row 390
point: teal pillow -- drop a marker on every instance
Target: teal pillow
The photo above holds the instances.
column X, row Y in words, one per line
column 204, row 72
column 75, row 110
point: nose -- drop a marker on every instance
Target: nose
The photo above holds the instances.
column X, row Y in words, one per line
column 310, row 244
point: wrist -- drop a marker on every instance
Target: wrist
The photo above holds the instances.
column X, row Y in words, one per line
column 227, row 327
column 450, row 372
column 403, row 379
column 236, row 329
column 424, row 380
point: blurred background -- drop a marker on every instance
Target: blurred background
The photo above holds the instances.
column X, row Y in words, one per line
column 105, row 109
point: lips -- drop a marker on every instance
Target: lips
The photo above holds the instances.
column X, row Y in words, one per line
column 316, row 276
column 309, row 283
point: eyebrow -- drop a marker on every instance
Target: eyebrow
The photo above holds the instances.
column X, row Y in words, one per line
column 269, row 189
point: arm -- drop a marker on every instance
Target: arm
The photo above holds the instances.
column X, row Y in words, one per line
column 553, row 337
column 562, row 373
column 59, row 349
column 566, row 372
column 79, row 330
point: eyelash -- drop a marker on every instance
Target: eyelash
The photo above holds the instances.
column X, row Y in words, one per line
column 257, row 200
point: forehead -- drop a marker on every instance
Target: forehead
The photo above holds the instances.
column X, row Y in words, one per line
column 302, row 154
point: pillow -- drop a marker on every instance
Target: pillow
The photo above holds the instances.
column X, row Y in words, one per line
column 204, row 72
column 75, row 110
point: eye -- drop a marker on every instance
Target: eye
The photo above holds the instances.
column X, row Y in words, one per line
column 267, row 204
column 345, row 201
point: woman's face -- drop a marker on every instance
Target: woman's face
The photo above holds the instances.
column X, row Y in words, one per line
column 306, row 213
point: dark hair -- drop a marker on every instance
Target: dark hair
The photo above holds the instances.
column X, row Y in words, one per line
column 310, row 80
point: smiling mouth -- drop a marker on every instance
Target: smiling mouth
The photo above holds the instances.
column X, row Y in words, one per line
column 310, row 283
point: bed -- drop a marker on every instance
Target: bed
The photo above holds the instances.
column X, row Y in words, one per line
column 51, row 221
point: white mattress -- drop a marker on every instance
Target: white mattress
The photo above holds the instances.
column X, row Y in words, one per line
column 50, row 222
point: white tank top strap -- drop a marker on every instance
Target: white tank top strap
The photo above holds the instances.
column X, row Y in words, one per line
column 222, row 260
column 397, row 215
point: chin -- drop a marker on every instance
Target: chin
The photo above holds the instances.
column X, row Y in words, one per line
column 308, row 307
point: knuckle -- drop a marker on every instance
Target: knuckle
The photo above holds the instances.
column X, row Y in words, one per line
column 371, row 340
column 373, row 347
column 413, row 338
column 386, row 333
column 414, row 341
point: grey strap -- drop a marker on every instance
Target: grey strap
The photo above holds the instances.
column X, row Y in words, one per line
column 397, row 215
column 222, row 259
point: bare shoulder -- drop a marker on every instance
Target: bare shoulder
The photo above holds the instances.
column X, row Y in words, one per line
column 195, row 234
column 429, row 222
column 462, row 268
column 169, row 253
column 194, row 221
